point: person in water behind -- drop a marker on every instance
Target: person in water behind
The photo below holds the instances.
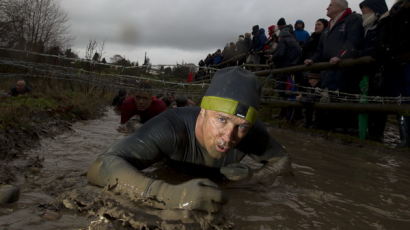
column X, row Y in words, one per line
column 184, row 101
column 20, row 89
column 212, row 137
column 142, row 103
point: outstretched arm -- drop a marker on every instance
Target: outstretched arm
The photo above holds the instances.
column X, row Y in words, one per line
column 119, row 176
column 119, row 170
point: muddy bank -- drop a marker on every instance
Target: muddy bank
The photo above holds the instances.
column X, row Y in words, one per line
column 337, row 185
column 59, row 164
column 16, row 139
column 50, row 109
column 21, row 135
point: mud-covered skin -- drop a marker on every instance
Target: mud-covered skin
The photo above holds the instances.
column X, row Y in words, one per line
column 171, row 136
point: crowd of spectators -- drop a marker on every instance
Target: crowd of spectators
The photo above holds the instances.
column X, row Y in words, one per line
column 377, row 32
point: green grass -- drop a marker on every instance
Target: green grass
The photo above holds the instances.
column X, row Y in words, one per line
column 51, row 99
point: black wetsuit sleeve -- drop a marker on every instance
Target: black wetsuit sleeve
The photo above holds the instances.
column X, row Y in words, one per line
column 149, row 144
column 259, row 145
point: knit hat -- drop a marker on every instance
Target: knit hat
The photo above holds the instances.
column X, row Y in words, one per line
column 235, row 91
column 255, row 29
column 281, row 22
column 300, row 22
column 378, row 6
column 271, row 29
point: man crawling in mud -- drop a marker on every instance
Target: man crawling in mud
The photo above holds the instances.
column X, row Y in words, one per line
column 215, row 136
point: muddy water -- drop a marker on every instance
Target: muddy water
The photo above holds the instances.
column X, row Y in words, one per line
column 61, row 165
column 335, row 186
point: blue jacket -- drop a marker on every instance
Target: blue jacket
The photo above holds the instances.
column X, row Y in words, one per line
column 302, row 36
column 259, row 41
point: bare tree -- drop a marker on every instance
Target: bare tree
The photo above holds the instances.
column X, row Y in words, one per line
column 94, row 50
column 90, row 49
column 33, row 24
column 101, row 50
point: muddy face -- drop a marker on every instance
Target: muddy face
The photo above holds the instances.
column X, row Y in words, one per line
column 219, row 132
column 143, row 100
column 20, row 86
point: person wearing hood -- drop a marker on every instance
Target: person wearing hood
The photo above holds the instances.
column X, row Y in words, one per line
column 287, row 53
column 242, row 48
column 258, row 42
column 301, row 35
column 373, row 11
column 272, row 41
column 282, row 26
column 393, row 45
column 259, row 38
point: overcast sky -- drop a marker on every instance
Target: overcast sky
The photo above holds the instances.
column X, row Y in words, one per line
column 172, row 31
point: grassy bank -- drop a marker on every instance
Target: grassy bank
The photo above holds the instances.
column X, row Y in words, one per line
column 50, row 108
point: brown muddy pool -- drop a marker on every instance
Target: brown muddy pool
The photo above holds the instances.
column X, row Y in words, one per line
column 335, row 185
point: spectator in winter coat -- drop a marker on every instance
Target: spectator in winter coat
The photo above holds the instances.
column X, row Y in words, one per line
column 209, row 60
column 259, row 38
column 242, row 48
column 282, row 26
column 287, row 53
column 217, row 57
column 312, row 44
column 272, row 41
column 310, row 96
column 229, row 52
column 302, row 36
column 392, row 46
column 248, row 41
column 342, row 39
column 372, row 12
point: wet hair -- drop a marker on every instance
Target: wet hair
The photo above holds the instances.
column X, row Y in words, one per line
column 281, row 22
column 143, row 87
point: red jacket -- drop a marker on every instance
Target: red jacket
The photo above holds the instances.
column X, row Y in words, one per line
column 129, row 109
